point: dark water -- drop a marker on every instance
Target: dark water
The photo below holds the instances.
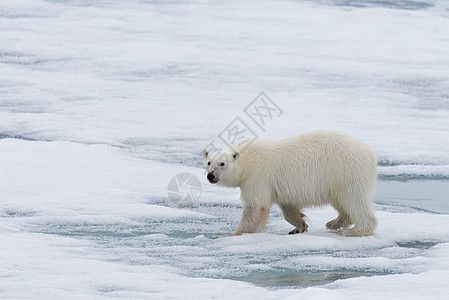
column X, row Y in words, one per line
column 285, row 278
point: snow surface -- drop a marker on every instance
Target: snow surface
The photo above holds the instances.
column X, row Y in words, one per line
column 103, row 102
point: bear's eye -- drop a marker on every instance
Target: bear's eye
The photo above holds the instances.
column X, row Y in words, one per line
column 208, row 163
column 222, row 164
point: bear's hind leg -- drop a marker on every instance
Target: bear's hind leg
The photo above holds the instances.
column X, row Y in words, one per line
column 363, row 226
column 294, row 216
column 341, row 222
column 361, row 213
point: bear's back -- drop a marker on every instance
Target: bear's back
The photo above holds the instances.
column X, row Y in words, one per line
column 315, row 162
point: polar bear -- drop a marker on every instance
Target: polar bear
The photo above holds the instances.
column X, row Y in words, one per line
column 313, row 169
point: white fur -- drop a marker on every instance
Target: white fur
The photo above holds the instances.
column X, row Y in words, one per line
column 314, row 169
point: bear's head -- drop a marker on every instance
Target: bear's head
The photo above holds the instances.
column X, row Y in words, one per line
column 222, row 167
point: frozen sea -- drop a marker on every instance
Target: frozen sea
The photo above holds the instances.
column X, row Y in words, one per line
column 103, row 102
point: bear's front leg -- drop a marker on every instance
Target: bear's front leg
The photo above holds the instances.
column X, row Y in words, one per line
column 254, row 219
column 294, row 216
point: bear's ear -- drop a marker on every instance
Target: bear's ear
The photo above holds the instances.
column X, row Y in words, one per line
column 205, row 153
column 235, row 154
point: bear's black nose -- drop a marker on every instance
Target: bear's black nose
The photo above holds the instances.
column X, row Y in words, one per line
column 210, row 176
